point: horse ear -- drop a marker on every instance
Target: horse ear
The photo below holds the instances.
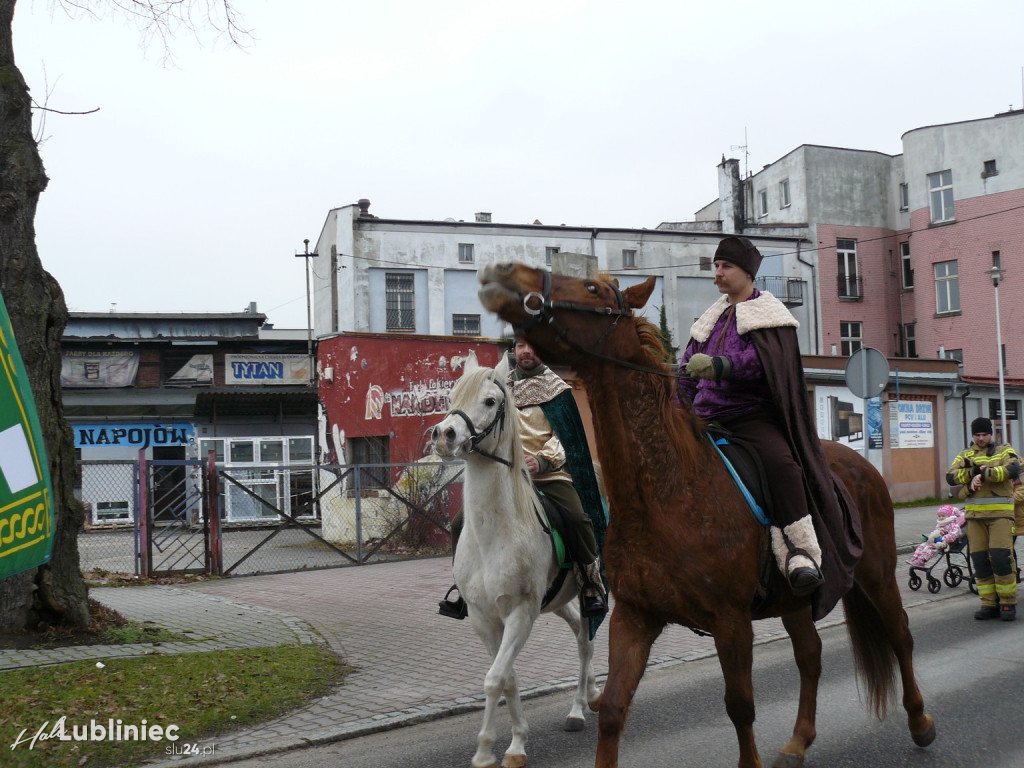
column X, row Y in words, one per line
column 470, row 363
column 637, row 295
column 501, row 369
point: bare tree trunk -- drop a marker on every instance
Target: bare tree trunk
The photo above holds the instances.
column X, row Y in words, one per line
column 54, row 593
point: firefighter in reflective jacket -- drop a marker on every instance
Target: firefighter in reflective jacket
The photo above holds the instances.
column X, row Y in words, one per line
column 986, row 472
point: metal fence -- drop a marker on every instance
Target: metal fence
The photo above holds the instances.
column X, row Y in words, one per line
column 269, row 519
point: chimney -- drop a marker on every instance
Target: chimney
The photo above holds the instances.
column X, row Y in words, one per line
column 364, row 209
column 483, row 217
column 251, row 309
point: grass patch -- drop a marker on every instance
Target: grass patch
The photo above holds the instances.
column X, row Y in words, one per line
column 203, row 694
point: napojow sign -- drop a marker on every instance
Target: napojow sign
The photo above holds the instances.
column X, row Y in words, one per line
column 26, row 496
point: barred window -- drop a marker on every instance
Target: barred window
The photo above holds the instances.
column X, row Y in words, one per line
column 465, row 325
column 400, row 302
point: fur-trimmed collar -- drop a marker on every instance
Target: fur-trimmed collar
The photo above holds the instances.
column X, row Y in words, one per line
column 765, row 311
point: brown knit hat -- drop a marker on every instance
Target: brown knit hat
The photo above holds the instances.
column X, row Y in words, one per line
column 741, row 252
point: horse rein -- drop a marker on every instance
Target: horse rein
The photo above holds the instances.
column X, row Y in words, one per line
column 541, row 310
column 476, row 437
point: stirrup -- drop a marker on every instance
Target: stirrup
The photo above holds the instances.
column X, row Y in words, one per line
column 453, row 609
column 805, row 579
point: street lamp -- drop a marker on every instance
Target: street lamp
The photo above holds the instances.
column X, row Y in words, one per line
column 997, row 275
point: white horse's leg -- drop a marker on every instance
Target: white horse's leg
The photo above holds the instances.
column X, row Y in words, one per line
column 586, row 686
column 490, row 634
column 500, row 679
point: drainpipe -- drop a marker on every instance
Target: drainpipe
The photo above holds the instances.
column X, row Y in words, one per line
column 593, row 242
column 814, row 295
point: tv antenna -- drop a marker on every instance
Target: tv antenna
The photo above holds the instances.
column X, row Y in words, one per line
column 746, row 153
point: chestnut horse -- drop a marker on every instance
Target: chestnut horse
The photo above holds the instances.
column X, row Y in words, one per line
column 682, row 546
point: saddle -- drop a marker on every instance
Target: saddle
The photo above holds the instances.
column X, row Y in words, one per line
column 744, row 464
column 555, row 525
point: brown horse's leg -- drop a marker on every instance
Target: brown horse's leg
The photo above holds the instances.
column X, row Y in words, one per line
column 876, row 604
column 630, row 636
column 807, row 651
column 734, row 641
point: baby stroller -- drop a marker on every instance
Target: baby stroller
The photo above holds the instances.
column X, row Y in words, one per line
column 954, row 573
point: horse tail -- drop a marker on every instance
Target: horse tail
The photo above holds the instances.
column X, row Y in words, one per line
column 873, row 655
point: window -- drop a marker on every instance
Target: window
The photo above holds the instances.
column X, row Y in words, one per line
column 370, row 450
column 947, row 287
column 989, row 169
column 850, row 337
column 705, row 264
column 628, row 258
column 910, row 339
column 465, row 325
column 904, row 196
column 465, row 253
column 907, row 269
column 762, row 202
column 269, row 480
column 846, row 258
column 399, row 305
column 784, row 200
column 549, row 254
column 940, row 190
column 997, row 260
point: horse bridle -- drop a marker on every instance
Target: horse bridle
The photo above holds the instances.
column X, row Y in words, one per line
column 476, row 437
column 541, row 309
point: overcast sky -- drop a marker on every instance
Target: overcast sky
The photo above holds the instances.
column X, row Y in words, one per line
column 193, row 187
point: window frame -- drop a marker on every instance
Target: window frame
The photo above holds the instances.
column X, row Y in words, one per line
column 467, row 253
column 847, row 337
column 785, row 198
column 395, row 299
column 629, row 258
column 762, row 203
column 941, row 203
column 906, row 267
column 848, row 282
column 910, row 339
column 904, row 196
column 947, row 285
column 549, row 254
column 463, row 320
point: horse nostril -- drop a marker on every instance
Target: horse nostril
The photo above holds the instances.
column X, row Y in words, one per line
column 449, row 434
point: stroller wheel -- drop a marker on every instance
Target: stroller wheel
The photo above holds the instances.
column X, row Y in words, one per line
column 915, row 580
column 953, row 576
column 934, row 585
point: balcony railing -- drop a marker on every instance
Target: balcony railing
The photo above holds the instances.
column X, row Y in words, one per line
column 788, row 290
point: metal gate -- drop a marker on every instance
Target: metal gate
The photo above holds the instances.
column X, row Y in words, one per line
column 174, row 530
column 157, row 517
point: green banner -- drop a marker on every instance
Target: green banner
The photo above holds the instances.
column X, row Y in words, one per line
column 26, row 496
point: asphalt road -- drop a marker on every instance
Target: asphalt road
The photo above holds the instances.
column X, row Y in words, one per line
column 969, row 672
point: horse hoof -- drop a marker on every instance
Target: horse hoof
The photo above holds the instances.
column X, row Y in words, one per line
column 513, row 761
column 927, row 736
column 785, row 760
column 574, row 723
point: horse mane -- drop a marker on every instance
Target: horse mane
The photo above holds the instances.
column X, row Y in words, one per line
column 510, row 441
column 681, row 424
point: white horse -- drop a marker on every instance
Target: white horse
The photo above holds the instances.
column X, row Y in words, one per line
column 504, row 561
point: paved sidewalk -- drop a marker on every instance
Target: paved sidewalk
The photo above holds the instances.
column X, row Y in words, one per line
column 409, row 664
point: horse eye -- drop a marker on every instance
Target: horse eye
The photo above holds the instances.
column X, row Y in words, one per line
column 490, row 402
column 591, row 287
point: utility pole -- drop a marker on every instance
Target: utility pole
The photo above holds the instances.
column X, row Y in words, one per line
column 309, row 312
